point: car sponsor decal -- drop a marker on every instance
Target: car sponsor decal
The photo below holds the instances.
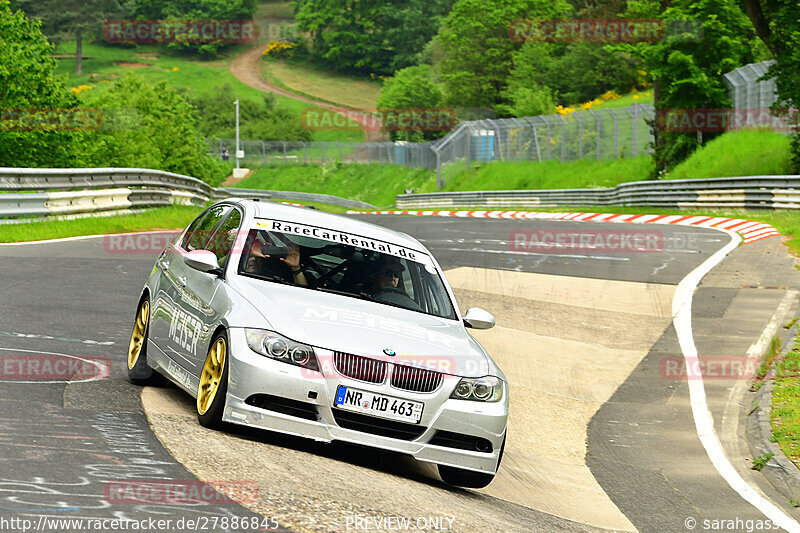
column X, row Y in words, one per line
column 184, row 329
column 180, row 374
column 293, row 228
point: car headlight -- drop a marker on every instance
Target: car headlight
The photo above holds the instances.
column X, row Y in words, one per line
column 485, row 389
column 279, row 347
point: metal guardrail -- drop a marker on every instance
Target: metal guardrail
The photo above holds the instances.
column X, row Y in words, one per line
column 753, row 192
column 294, row 195
column 42, row 192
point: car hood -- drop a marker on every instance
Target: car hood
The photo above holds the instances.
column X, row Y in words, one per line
column 350, row 325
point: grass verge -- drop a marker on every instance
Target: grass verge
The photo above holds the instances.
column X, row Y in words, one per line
column 104, row 64
column 785, row 407
column 166, row 218
column 742, row 153
column 375, row 184
column 323, row 85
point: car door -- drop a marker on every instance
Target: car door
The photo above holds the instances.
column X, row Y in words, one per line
column 182, row 341
column 170, row 266
column 206, row 295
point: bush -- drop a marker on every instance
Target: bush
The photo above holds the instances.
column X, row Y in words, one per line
column 259, row 120
column 149, row 126
column 412, row 87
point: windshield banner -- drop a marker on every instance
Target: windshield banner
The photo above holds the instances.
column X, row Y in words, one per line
column 292, row 228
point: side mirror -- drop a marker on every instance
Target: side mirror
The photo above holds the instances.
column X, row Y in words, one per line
column 204, row 261
column 478, row 318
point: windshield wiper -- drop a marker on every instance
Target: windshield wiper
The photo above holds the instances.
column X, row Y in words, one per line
column 360, row 296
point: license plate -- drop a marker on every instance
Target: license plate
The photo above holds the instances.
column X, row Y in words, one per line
column 369, row 403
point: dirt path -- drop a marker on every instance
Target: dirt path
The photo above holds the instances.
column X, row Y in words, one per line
column 247, row 69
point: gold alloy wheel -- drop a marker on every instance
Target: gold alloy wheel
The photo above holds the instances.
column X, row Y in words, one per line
column 211, row 376
column 139, row 331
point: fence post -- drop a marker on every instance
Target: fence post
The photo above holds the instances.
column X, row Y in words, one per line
column 580, row 135
column 438, row 171
column 468, row 151
column 263, row 153
column 597, row 123
column 563, row 145
column 284, row 151
column 549, row 138
column 616, row 133
column 305, row 153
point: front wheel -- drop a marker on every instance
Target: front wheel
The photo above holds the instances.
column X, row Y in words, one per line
column 213, row 386
column 467, row 478
column 138, row 370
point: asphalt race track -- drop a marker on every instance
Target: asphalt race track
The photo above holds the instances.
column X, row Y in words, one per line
column 634, row 447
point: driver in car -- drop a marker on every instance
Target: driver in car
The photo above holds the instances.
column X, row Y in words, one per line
column 286, row 268
column 383, row 283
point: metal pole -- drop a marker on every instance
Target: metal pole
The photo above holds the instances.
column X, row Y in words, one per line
column 236, row 155
column 634, row 128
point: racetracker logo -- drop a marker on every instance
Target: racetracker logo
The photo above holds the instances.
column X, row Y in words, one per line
column 52, row 119
column 604, row 30
column 180, row 31
column 620, row 241
column 398, row 119
column 719, row 120
column 159, row 492
column 54, row 367
column 710, row 368
column 138, row 243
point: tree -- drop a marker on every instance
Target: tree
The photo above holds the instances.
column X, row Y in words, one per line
column 687, row 67
column 195, row 10
column 370, row 36
column 160, row 132
column 478, row 49
column 259, row 120
column 777, row 24
column 28, row 85
column 74, row 18
column 411, row 88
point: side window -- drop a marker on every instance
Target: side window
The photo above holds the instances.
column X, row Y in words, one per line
column 200, row 236
column 222, row 241
column 192, row 228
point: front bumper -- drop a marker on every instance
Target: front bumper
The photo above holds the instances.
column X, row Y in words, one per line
column 253, row 374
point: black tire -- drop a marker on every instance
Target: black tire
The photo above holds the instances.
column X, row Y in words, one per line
column 212, row 416
column 139, row 372
column 459, row 477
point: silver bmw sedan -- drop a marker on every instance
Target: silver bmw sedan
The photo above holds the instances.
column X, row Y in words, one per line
column 292, row 320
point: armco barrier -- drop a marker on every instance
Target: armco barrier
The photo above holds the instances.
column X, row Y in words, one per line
column 100, row 190
column 752, row 192
column 294, row 195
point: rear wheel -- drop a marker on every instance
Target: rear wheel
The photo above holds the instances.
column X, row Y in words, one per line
column 467, row 478
column 138, row 370
column 213, row 386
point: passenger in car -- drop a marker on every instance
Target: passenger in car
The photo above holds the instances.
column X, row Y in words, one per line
column 267, row 259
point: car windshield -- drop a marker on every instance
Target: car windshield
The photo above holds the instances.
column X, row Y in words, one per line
column 346, row 264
